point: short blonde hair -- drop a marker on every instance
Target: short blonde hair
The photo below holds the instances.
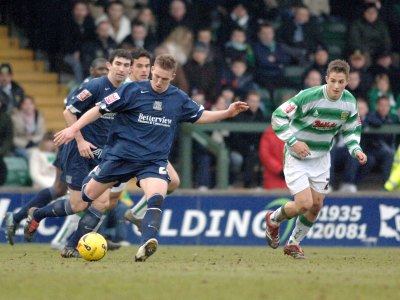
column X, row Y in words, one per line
column 166, row 62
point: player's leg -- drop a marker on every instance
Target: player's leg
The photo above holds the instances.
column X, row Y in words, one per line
column 155, row 190
column 303, row 225
column 319, row 182
column 45, row 196
column 136, row 213
column 98, row 195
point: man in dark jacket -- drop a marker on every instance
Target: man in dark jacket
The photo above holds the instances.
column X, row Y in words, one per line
column 6, row 141
column 11, row 93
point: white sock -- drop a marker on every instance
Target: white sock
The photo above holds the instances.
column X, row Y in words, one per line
column 278, row 216
column 139, row 209
column 299, row 232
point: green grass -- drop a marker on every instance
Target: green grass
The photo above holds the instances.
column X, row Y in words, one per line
column 37, row 272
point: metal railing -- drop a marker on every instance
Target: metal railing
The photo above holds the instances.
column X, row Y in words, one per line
column 201, row 134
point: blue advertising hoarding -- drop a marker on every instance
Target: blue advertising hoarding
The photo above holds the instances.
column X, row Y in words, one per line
column 239, row 220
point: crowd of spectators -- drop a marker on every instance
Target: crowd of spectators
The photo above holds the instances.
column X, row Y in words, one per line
column 227, row 50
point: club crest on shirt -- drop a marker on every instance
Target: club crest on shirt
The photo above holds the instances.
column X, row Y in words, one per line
column 157, row 105
column 82, row 96
column 112, row 98
column 344, row 115
column 289, row 107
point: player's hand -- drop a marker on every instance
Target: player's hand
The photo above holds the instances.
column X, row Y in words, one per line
column 236, row 108
column 362, row 157
column 301, row 149
column 64, row 136
column 85, row 148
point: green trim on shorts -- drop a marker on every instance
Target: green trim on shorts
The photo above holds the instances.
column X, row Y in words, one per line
column 306, row 222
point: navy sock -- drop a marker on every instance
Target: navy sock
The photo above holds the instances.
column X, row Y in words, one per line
column 59, row 208
column 152, row 219
column 41, row 199
column 88, row 223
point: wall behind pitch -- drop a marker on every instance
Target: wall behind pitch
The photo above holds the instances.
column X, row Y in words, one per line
column 239, row 220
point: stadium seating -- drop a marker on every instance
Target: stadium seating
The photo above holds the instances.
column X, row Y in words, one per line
column 31, row 75
column 334, row 36
column 17, row 171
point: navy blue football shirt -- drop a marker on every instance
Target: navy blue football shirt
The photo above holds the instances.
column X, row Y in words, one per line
column 145, row 124
column 83, row 99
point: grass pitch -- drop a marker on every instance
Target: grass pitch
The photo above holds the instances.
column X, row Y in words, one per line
column 36, row 272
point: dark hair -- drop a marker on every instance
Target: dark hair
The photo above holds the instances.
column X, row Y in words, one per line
column 24, row 99
column 98, row 61
column 166, row 62
column 135, row 23
column 111, row 3
column 140, row 52
column 120, row 53
column 338, row 66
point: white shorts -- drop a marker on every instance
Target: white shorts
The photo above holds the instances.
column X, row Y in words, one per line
column 119, row 188
column 301, row 174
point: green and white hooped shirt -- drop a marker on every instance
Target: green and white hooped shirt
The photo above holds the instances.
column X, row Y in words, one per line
column 313, row 118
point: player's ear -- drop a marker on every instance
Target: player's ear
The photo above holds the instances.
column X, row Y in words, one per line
column 173, row 76
column 108, row 65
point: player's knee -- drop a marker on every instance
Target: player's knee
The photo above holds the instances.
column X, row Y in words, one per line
column 85, row 194
column 303, row 206
column 114, row 198
column 174, row 184
column 155, row 201
column 60, row 188
column 78, row 206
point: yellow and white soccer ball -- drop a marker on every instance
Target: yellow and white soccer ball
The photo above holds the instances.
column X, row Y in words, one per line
column 92, row 246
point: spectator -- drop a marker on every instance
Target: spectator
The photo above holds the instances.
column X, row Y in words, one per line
column 100, row 47
column 204, row 35
column 249, row 142
column 354, row 84
column 146, row 16
column 179, row 44
column 79, row 28
column 120, row 25
column 41, row 160
column 271, row 158
column 138, row 38
column 201, row 75
column 239, row 17
column 11, row 93
column 318, row 8
column 238, row 78
column 313, row 78
column 299, row 35
column 380, row 148
column 382, row 88
column 384, row 65
column 6, row 140
column 320, row 59
column 270, row 59
column 368, row 33
column 358, row 61
column 29, row 127
column 238, row 48
column 177, row 16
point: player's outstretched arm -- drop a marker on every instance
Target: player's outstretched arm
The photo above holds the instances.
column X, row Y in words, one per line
column 214, row 116
column 68, row 134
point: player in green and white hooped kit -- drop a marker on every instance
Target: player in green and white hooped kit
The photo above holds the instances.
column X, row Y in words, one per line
column 140, row 71
column 308, row 123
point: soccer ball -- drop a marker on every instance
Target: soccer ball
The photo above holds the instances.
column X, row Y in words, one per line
column 92, row 246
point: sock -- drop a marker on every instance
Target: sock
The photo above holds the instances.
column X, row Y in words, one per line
column 152, row 219
column 41, row 199
column 140, row 208
column 279, row 216
column 300, row 230
column 59, row 208
column 90, row 221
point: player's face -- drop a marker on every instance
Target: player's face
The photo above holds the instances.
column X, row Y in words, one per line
column 119, row 69
column 140, row 69
column 336, row 83
column 161, row 79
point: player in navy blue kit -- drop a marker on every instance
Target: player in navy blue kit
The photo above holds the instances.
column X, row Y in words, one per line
column 84, row 153
column 98, row 68
column 139, row 143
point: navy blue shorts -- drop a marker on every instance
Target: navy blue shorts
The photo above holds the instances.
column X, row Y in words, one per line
column 123, row 171
column 76, row 167
column 59, row 162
